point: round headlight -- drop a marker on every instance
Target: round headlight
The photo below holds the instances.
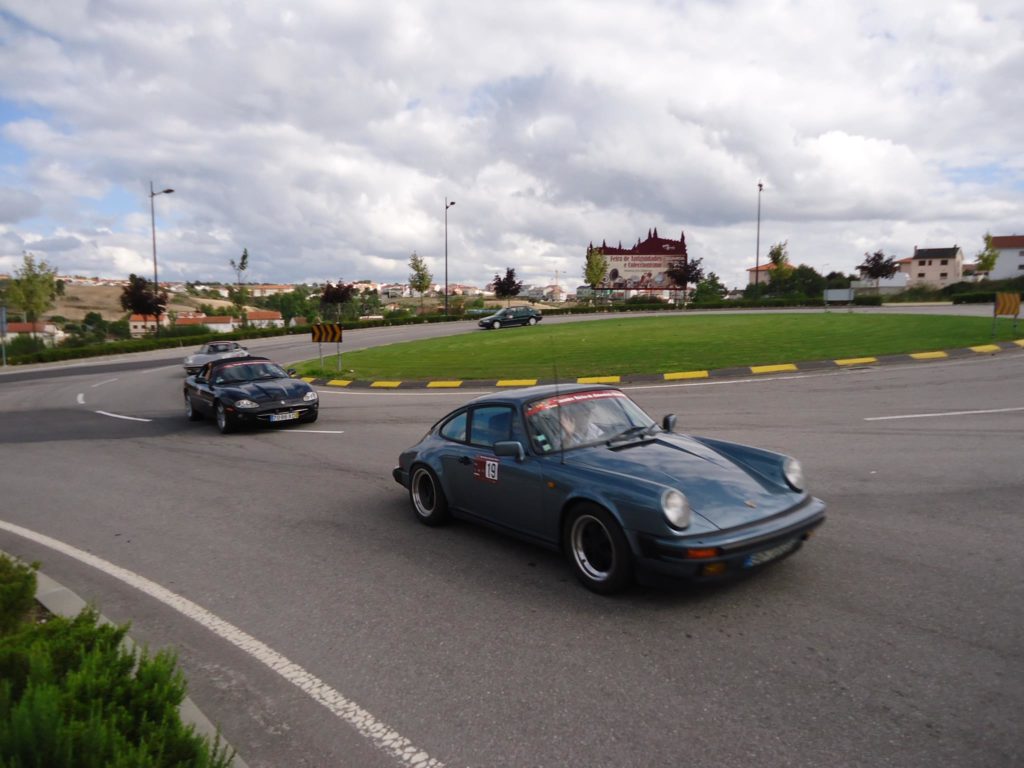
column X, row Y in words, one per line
column 794, row 474
column 311, row 396
column 245, row 404
column 676, row 508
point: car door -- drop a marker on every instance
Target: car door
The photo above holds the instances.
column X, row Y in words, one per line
column 500, row 490
column 202, row 391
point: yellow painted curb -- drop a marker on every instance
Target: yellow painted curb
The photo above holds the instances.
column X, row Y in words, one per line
column 443, row 384
column 599, row 380
column 516, row 382
column 773, row 368
column 339, row 382
column 929, row 355
column 856, row 361
column 686, row 375
column 386, row 384
column 1019, row 342
column 308, row 379
column 986, row 348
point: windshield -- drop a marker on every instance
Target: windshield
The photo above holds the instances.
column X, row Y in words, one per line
column 584, row 418
column 249, row 372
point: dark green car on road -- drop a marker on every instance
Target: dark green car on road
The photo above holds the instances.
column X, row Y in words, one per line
column 511, row 316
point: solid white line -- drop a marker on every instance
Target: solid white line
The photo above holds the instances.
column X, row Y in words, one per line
column 81, row 399
column 379, row 734
column 101, row 383
column 947, row 413
column 119, row 416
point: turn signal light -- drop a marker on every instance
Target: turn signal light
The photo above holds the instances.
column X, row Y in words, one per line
column 712, row 569
column 702, row 553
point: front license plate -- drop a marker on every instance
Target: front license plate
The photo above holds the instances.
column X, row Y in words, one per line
column 767, row 555
column 284, row 416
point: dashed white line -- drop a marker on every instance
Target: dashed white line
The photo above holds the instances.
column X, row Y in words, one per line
column 81, row 399
column 379, row 734
column 101, row 383
column 119, row 416
column 938, row 415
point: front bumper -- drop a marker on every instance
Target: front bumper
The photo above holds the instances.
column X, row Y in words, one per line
column 731, row 552
column 281, row 414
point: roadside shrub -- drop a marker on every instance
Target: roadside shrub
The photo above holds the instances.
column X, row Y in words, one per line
column 867, row 301
column 17, row 592
column 978, row 297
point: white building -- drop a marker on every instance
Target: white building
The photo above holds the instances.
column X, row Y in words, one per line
column 1011, row 257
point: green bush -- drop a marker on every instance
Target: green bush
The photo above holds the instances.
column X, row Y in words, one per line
column 72, row 696
column 978, row 297
column 867, row 301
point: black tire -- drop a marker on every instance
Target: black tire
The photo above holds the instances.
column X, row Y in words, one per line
column 428, row 501
column 496, row 325
column 598, row 550
column 223, row 422
column 191, row 413
column 532, row 321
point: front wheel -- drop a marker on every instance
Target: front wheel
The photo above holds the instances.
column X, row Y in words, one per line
column 496, row 325
column 532, row 321
column 428, row 501
column 598, row 549
column 223, row 422
column 190, row 411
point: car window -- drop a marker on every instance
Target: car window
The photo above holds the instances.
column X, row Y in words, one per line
column 490, row 424
column 582, row 418
column 455, row 429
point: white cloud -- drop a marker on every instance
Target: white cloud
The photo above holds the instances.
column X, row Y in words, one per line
column 325, row 137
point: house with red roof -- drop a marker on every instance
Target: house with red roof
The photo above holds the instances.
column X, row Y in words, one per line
column 1010, row 262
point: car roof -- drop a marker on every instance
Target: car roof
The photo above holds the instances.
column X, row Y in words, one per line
column 529, row 394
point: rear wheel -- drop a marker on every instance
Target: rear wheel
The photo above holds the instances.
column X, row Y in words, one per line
column 598, row 549
column 190, row 412
column 223, row 422
column 497, row 324
column 532, row 321
column 427, row 498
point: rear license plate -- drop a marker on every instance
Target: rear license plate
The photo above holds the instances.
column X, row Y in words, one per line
column 284, row 416
column 767, row 555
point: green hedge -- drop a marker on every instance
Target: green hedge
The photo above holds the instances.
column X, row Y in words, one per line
column 72, row 696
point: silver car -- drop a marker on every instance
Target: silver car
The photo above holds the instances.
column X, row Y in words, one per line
column 213, row 350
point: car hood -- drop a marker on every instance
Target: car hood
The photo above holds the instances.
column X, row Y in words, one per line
column 264, row 391
column 722, row 491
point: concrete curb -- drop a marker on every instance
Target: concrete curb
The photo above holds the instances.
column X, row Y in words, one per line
column 61, row 601
column 720, row 373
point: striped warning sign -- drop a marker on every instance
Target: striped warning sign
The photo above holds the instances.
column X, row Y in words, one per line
column 327, row 332
column 1007, row 304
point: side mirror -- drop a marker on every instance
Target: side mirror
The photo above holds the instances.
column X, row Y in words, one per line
column 669, row 423
column 291, row 371
column 511, row 448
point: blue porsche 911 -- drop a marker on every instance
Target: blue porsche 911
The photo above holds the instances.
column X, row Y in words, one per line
column 584, row 469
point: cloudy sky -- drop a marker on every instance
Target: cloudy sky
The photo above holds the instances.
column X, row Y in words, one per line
column 324, row 136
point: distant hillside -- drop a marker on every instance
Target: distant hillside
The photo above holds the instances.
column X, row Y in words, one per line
column 80, row 300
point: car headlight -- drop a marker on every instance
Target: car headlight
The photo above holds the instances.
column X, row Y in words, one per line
column 676, row 508
column 310, row 396
column 794, row 474
column 243, row 403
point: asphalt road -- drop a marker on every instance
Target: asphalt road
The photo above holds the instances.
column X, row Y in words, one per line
column 893, row 639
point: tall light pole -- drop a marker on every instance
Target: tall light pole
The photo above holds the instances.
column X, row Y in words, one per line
column 757, row 254
column 447, row 205
column 152, row 220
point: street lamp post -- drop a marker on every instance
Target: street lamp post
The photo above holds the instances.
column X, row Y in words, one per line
column 447, row 205
column 152, row 220
column 757, row 254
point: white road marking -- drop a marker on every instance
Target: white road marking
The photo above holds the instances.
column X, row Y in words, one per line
column 119, row 416
column 379, row 734
column 105, row 381
column 81, row 399
column 937, row 415
column 315, row 431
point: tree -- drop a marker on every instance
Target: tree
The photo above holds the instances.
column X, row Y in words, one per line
column 240, row 294
column 596, row 267
column 336, row 296
column 685, row 271
column 987, row 256
column 877, row 266
column 807, row 281
column 710, row 289
column 33, row 288
column 138, row 297
column 506, row 287
column 420, row 278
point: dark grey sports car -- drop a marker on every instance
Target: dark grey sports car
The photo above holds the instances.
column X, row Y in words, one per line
column 248, row 391
column 584, row 469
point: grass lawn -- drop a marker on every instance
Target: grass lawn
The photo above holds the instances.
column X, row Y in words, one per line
column 651, row 345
